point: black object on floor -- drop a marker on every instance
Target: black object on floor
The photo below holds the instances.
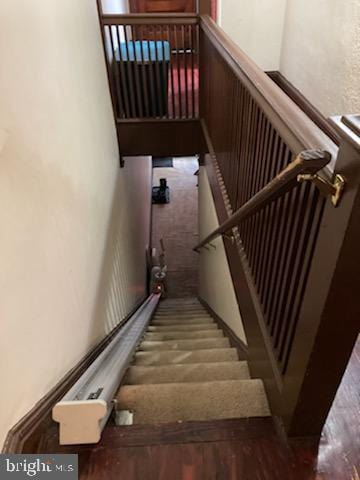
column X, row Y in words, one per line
column 161, row 194
column 162, row 162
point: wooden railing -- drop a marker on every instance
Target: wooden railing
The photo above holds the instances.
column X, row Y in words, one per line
column 152, row 62
column 309, row 162
column 266, row 133
column 278, row 240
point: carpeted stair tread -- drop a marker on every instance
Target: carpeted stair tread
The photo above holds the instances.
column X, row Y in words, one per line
column 182, row 315
column 170, row 308
column 162, row 336
column 177, row 307
column 195, row 344
column 193, row 372
column 193, row 327
column 185, row 369
column 179, row 321
column 168, row 357
column 164, row 403
column 181, row 308
column 185, row 313
column 182, row 318
column 170, row 301
column 195, row 304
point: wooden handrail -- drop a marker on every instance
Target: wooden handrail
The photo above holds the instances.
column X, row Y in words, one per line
column 150, row 19
column 307, row 162
column 294, row 126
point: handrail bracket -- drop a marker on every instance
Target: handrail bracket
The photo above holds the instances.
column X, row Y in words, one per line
column 333, row 188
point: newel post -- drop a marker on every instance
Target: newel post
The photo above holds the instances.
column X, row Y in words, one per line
column 329, row 318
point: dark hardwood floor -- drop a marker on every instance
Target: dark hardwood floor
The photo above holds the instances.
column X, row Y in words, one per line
column 227, row 449
column 339, row 451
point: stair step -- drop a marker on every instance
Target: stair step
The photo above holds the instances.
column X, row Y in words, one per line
column 185, row 313
column 193, row 372
column 179, row 321
column 169, row 357
column 170, row 300
column 160, row 336
column 182, row 315
column 185, row 344
column 180, row 306
column 164, row 403
column 193, row 327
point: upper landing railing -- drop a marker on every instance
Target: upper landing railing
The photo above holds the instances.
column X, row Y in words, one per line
column 152, row 63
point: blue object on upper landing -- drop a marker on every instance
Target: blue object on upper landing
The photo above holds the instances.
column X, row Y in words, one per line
column 144, row 51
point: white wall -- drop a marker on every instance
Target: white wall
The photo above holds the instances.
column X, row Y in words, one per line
column 70, row 265
column 115, row 6
column 256, row 26
column 216, row 286
column 321, row 53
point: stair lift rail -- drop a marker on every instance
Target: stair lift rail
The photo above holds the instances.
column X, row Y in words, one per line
column 83, row 412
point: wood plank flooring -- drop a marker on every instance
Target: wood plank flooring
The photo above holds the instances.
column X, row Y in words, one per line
column 227, row 449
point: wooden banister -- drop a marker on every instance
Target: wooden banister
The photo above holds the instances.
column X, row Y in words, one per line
column 294, row 258
column 307, row 162
column 296, row 129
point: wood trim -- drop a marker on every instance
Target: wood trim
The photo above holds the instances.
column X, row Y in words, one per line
column 171, row 434
column 204, row 7
column 25, row 435
column 348, row 127
column 161, row 138
column 306, row 106
column 235, row 341
column 352, row 122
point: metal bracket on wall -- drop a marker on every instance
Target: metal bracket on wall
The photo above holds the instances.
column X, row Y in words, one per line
column 231, row 238
column 335, row 188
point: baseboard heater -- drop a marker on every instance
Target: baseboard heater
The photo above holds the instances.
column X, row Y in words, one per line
column 83, row 412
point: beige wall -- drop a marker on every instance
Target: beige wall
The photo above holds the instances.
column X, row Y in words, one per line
column 70, row 265
column 216, row 286
column 314, row 43
column 256, row 26
column 321, row 52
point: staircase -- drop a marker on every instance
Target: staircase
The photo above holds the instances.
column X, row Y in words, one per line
column 185, row 369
